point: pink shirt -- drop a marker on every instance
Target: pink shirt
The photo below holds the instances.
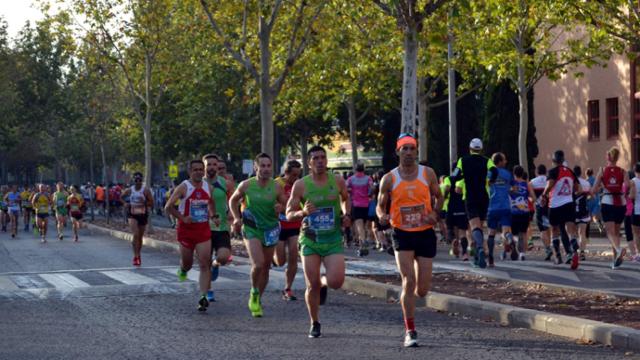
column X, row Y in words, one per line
column 359, row 186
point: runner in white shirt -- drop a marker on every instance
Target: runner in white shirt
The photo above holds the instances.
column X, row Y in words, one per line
column 583, row 218
column 542, row 210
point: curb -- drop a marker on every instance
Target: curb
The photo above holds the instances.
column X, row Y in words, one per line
column 572, row 327
column 147, row 241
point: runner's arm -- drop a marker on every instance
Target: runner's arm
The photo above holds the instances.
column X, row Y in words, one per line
column 294, row 212
column 149, row 196
column 345, row 203
column 281, row 204
column 177, row 194
column 597, row 184
column 532, row 194
column 383, row 199
column 632, row 190
column 234, row 201
column 627, row 183
column 432, row 178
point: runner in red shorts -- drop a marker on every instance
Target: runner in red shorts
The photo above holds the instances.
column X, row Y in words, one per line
column 196, row 208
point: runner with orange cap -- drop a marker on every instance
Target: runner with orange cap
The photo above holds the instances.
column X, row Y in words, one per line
column 409, row 189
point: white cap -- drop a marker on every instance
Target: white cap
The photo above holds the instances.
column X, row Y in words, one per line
column 475, row 144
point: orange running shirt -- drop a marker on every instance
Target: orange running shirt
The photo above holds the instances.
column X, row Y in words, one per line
column 410, row 200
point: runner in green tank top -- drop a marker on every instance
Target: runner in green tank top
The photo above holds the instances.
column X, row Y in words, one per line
column 220, row 236
column 60, row 206
column 263, row 200
column 326, row 209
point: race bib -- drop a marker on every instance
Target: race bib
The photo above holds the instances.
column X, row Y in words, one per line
column 272, row 236
column 199, row 211
column 26, row 203
column 322, row 219
column 75, row 208
column 412, row 216
column 60, row 203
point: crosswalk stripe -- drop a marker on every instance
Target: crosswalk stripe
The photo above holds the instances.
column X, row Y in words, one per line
column 7, row 284
column 129, row 277
column 64, row 281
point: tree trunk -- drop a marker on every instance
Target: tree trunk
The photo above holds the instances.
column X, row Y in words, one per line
column 104, row 164
column 303, row 150
column 453, row 122
column 266, row 95
column 353, row 135
column 409, row 80
column 524, row 118
column 147, row 122
column 423, row 109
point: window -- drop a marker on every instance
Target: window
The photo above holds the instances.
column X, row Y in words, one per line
column 613, row 120
column 593, row 114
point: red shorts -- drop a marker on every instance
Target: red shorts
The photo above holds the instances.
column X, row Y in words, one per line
column 189, row 235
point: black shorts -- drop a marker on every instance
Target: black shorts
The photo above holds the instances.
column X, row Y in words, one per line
column 564, row 214
column 42, row 216
column 142, row 219
column 612, row 213
column 635, row 220
column 542, row 218
column 519, row 223
column 285, row 234
column 359, row 213
column 77, row 216
column 457, row 220
column 423, row 243
column 477, row 209
column 380, row 227
column 220, row 239
column 443, row 214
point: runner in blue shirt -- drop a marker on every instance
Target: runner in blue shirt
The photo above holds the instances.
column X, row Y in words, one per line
column 520, row 213
column 500, row 207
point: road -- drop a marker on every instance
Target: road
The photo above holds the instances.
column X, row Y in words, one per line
column 81, row 300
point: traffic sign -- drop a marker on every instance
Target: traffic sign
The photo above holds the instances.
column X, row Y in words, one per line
column 173, row 171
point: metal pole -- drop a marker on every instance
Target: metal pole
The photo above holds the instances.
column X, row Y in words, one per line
column 453, row 124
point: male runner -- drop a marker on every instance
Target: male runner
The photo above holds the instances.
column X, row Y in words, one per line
column 220, row 235
column 473, row 169
column 539, row 183
column 196, row 208
column 359, row 186
column 60, row 206
column 41, row 202
column 12, row 198
column 263, row 200
column 27, row 208
column 499, row 212
column 326, row 208
column 520, row 213
column 634, row 195
column 4, row 211
column 140, row 201
column 457, row 222
column 561, row 185
column 583, row 218
column 75, row 203
column 290, row 230
column 410, row 188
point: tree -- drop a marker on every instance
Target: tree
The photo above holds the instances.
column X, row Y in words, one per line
column 266, row 50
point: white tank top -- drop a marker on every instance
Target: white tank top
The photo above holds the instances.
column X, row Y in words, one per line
column 138, row 201
column 190, row 190
column 636, row 201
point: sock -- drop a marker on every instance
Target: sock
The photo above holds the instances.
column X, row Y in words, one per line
column 409, row 324
column 478, row 238
column 491, row 242
column 255, row 291
column 567, row 245
column 464, row 243
column 574, row 245
column 556, row 246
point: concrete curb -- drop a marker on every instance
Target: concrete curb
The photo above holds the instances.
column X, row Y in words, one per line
column 572, row 327
column 146, row 241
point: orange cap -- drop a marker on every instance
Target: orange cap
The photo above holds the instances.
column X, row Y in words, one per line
column 406, row 140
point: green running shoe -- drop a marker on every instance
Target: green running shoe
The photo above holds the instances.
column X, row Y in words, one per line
column 182, row 275
column 254, row 302
column 258, row 313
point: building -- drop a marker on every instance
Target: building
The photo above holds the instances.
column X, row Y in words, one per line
column 585, row 116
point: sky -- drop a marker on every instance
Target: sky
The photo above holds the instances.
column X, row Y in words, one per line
column 17, row 12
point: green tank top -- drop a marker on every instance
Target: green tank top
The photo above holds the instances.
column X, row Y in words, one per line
column 219, row 188
column 260, row 213
column 59, row 199
column 325, row 224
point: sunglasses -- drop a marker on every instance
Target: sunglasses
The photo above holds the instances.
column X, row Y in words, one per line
column 402, row 135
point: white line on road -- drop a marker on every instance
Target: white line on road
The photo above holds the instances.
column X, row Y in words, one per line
column 129, row 277
column 7, row 284
column 64, row 281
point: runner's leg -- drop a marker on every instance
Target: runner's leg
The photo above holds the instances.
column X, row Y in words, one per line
column 203, row 250
column 292, row 261
column 311, row 268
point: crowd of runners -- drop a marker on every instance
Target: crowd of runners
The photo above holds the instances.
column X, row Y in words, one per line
column 312, row 218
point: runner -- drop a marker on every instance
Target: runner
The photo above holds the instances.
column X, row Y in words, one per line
column 520, row 214
column 326, row 208
column 41, row 202
column 220, row 236
column 4, row 210
column 264, row 199
column 442, row 217
column 359, row 186
column 76, row 204
column 501, row 184
column 457, row 222
column 60, row 206
column 100, row 198
column 196, row 208
column 12, row 198
column 634, row 195
column 140, row 201
column 409, row 189
column 539, row 183
column 582, row 211
column 558, row 194
column 474, row 169
column 27, row 208
column 290, row 231
column 612, row 204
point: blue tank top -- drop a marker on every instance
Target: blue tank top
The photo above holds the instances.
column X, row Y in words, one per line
column 499, row 198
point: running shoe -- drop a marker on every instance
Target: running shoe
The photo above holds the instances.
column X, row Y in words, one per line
column 215, row 272
column 324, row 290
column 575, row 260
column 455, row 247
column 582, row 256
column 287, row 295
column 620, row 258
column 569, row 258
column 254, row 302
column 522, row 258
column 559, row 259
column 514, row 253
column 137, row 261
column 211, row 296
column 549, row 255
column 203, row 303
column 259, row 312
column 411, row 339
column 60, row 237
column 503, row 256
column 482, row 262
column 491, row 262
column 182, row 275
column 465, row 257
column 315, row 332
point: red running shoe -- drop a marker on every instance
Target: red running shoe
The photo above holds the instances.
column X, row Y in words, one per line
column 575, row 260
column 137, row 261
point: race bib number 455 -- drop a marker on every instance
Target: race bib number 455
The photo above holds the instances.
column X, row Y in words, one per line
column 412, row 216
column 322, row 219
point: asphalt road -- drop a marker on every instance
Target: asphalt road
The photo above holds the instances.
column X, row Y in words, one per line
column 64, row 300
